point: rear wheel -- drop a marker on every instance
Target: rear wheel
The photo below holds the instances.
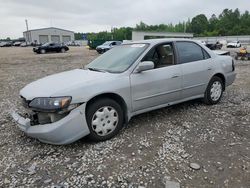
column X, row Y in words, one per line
column 214, row 91
column 63, row 50
column 104, row 119
column 42, row 51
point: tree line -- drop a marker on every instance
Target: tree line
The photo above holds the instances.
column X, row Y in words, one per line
column 229, row 22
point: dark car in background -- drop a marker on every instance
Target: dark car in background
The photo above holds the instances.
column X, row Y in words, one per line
column 51, row 47
column 107, row 46
column 214, row 46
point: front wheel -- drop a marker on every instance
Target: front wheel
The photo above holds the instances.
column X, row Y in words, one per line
column 63, row 50
column 42, row 51
column 104, row 119
column 214, row 91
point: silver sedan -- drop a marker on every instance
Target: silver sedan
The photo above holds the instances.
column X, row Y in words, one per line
column 129, row 79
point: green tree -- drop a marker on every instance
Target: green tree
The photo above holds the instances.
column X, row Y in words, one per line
column 229, row 22
column 199, row 24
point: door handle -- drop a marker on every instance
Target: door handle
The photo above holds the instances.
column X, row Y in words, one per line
column 175, row 76
column 209, row 68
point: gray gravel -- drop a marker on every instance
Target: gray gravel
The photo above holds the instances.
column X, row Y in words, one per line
column 155, row 150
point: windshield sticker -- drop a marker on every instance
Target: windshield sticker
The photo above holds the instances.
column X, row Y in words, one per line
column 137, row 45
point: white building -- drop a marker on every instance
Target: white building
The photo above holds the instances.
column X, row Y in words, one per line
column 50, row 34
column 141, row 35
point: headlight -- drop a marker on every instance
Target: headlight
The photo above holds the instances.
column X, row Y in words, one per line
column 50, row 103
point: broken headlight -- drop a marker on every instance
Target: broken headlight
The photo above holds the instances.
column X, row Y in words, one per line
column 50, row 104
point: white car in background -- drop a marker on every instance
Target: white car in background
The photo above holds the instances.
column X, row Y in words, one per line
column 234, row 44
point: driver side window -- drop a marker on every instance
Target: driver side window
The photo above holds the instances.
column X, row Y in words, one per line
column 162, row 55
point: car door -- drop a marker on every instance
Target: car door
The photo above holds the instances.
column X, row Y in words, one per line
column 159, row 86
column 54, row 47
column 196, row 67
column 50, row 47
column 113, row 44
column 57, row 47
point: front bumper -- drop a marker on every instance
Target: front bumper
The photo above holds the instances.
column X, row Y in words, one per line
column 65, row 131
column 230, row 77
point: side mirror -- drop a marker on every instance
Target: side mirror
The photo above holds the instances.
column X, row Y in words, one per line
column 145, row 65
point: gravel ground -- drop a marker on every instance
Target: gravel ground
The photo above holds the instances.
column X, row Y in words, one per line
column 186, row 145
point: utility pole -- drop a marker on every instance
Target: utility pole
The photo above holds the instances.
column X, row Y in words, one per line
column 27, row 29
column 112, row 35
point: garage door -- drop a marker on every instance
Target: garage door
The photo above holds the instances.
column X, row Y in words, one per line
column 55, row 38
column 66, row 38
column 43, row 39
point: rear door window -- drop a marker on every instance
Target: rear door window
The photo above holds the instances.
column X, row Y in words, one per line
column 189, row 52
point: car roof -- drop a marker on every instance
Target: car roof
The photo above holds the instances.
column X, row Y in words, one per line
column 153, row 42
column 113, row 41
column 157, row 41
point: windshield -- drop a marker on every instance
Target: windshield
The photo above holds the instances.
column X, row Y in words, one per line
column 46, row 44
column 118, row 59
column 106, row 43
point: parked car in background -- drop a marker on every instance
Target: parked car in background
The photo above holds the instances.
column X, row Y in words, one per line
column 17, row 43
column 214, row 46
column 6, row 44
column 51, row 47
column 98, row 100
column 73, row 43
column 107, row 46
column 234, row 44
column 25, row 44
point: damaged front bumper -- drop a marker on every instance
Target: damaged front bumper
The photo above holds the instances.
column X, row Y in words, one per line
column 64, row 131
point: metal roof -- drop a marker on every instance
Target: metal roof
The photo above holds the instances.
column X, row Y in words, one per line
column 48, row 28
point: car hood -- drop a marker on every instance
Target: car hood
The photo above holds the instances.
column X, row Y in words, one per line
column 63, row 83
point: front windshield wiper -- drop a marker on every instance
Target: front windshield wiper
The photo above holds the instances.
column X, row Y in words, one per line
column 95, row 69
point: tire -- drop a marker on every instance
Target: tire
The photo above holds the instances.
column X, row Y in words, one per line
column 214, row 91
column 109, row 122
column 42, row 51
column 63, row 50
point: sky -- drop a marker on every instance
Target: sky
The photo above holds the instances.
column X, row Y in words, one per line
column 101, row 15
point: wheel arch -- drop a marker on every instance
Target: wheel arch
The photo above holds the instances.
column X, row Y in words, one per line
column 222, row 77
column 114, row 97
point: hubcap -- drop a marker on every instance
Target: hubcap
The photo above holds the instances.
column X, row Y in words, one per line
column 105, row 120
column 216, row 91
